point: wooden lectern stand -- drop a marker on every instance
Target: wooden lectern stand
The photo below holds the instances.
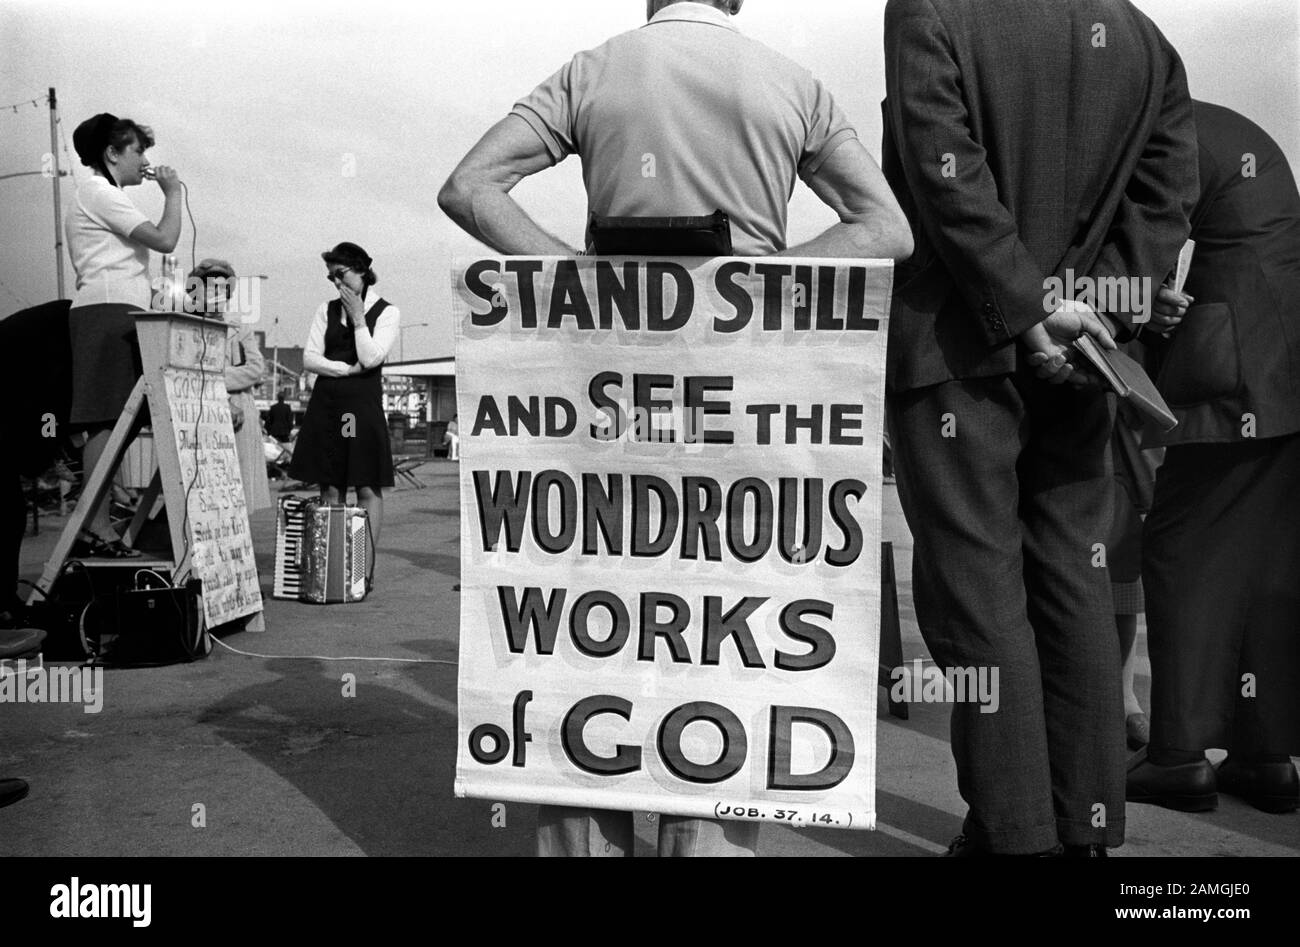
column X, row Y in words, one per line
column 197, row 471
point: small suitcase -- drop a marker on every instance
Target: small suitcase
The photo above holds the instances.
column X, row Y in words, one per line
column 336, row 555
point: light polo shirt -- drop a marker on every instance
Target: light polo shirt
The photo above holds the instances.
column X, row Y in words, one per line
column 110, row 267
column 686, row 116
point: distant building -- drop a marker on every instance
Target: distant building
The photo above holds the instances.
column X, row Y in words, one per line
column 430, row 382
column 289, row 375
column 433, row 378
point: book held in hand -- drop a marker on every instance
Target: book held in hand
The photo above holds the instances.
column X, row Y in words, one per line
column 1128, row 380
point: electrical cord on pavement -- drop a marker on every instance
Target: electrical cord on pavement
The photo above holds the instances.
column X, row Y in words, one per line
column 325, row 657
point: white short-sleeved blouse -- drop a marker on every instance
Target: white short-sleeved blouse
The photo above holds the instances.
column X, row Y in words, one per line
column 110, row 266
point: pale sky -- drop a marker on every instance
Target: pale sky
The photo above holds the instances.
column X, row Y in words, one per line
column 297, row 125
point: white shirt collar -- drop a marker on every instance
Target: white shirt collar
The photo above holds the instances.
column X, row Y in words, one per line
column 691, row 12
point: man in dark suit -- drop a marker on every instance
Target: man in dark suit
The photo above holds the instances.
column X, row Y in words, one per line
column 279, row 421
column 1221, row 547
column 1027, row 140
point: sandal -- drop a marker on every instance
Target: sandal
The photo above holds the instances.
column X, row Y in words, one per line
column 90, row 546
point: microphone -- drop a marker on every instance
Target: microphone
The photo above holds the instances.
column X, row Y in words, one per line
column 149, row 174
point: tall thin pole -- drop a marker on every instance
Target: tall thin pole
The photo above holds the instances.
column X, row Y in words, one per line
column 58, row 209
column 275, row 359
column 273, row 331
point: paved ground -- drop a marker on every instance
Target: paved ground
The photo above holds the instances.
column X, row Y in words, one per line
column 283, row 764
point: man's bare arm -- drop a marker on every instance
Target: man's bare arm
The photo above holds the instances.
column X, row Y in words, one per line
column 477, row 194
column 872, row 225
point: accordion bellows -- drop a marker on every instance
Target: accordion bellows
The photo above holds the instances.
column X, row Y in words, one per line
column 324, row 552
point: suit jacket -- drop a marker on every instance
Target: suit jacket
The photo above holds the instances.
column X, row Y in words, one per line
column 1237, row 351
column 1025, row 138
column 37, row 385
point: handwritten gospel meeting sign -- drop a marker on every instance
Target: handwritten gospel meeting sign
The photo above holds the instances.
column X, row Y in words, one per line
column 197, row 405
column 670, row 534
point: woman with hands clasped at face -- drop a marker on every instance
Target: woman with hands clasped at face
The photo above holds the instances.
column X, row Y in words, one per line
column 344, row 437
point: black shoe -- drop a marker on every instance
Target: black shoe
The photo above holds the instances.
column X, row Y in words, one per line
column 11, row 790
column 15, row 617
column 1269, row 787
column 90, row 546
column 1188, row 787
column 1085, row 851
column 965, row 847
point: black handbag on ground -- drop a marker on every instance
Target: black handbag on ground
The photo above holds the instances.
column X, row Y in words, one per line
column 119, row 617
column 157, row 625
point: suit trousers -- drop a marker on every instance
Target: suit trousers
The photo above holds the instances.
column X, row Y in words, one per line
column 577, row 832
column 1006, row 484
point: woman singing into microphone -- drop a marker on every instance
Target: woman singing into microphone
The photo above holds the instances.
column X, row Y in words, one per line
column 344, row 437
column 109, row 240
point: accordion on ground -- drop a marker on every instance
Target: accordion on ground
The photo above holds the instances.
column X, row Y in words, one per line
column 323, row 551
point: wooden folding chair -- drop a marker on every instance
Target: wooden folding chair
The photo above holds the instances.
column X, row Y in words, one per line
column 404, row 471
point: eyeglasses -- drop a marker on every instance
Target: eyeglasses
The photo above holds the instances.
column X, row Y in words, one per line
column 333, row 275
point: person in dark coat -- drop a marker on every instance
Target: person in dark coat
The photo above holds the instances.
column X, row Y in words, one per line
column 1221, row 547
column 1028, row 141
column 37, row 393
column 37, row 390
column 279, row 420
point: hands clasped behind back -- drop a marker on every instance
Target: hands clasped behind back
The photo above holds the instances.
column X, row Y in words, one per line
column 1049, row 343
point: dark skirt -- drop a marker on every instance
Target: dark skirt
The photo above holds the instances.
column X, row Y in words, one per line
column 105, row 362
column 1124, row 545
column 1221, row 568
column 344, row 436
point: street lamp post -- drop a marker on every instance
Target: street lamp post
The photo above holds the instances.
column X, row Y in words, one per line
column 54, row 174
column 58, row 212
column 275, row 355
column 401, row 338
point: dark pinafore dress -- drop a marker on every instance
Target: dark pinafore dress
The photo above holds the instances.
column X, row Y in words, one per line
column 344, row 437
